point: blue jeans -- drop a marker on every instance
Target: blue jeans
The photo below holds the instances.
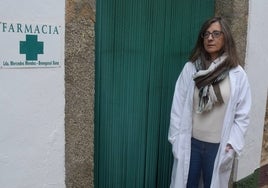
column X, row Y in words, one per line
column 203, row 155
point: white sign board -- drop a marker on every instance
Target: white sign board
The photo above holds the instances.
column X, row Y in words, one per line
column 31, row 45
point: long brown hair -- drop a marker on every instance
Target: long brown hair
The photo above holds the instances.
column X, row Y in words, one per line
column 229, row 44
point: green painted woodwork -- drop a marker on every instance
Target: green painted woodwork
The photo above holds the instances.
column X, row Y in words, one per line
column 141, row 47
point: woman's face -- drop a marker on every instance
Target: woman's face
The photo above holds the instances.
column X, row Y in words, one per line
column 213, row 40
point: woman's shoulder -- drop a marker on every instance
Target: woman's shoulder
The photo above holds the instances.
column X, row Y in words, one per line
column 189, row 66
column 239, row 73
column 238, row 69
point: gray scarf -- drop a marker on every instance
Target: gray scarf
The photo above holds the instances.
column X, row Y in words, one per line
column 207, row 82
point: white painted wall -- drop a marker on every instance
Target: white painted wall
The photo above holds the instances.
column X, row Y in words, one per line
column 32, row 109
column 257, row 69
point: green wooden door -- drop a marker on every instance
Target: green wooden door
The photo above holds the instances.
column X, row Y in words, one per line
column 141, row 47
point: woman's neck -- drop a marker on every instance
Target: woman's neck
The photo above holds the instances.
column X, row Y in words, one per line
column 212, row 58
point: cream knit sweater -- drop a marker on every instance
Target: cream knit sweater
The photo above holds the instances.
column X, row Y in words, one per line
column 207, row 126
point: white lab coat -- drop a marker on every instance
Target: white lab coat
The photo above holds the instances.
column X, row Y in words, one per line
column 235, row 125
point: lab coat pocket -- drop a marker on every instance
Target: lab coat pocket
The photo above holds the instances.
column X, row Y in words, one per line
column 177, row 148
column 227, row 161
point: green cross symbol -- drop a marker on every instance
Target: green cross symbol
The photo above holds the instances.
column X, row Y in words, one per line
column 31, row 47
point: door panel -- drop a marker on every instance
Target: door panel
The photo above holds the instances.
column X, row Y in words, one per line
column 141, row 47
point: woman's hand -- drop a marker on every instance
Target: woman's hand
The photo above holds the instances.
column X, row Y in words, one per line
column 228, row 147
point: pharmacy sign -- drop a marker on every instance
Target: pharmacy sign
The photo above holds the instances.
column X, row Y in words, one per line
column 28, row 45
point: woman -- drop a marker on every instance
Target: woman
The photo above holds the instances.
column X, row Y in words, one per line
column 209, row 114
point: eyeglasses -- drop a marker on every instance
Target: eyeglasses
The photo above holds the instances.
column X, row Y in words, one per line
column 215, row 34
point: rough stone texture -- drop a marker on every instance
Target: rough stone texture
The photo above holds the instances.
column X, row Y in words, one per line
column 264, row 158
column 236, row 13
column 79, row 85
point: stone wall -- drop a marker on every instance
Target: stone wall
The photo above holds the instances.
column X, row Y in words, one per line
column 264, row 158
column 79, row 86
column 236, row 13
